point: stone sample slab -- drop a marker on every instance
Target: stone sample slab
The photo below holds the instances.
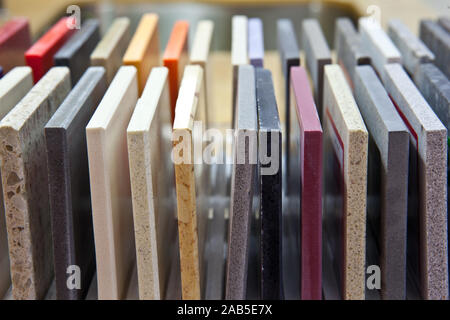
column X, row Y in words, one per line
column 25, row 185
column 68, row 176
column 438, row 41
column 75, row 53
column 427, row 211
column 15, row 39
column 307, row 136
column 256, row 42
column 110, row 50
column 242, row 184
column 387, row 179
column 444, row 22
column 345, row 161
column 110, row 185
column 143, row 50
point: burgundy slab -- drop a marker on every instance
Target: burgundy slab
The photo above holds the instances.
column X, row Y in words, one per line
column 15, row 39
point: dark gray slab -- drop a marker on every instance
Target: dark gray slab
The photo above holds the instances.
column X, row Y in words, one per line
column 387, row 180
column 444, row 22
column 438, row 41
column 270, row 186
column 70, row 205
column 76, row 52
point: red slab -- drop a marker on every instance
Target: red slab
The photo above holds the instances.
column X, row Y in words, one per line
column 311, row 184
column 15, row 39
column 40, row 56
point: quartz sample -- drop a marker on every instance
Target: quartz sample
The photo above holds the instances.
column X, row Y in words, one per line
column 68, row 177
column 110, row 185
column 255, row 42
column 345, row 185
column 438, row 41
column 242, row 184
column 427, row 210
column 111, row 49
column 25, row 185
column 15, row 39
column 387, row 180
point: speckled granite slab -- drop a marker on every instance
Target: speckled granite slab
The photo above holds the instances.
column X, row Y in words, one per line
column 255, row 42
column 345, row 161
column 25, row 184
column 243, row 174
column 387, row 179
column 427, row 211
column 68, row 177
column 438, row 41
column 110, row 185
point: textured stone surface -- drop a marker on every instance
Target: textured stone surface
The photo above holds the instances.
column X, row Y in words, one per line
column 270, row 139
column 243, row 174
column 75, row 53
column 68, row 176
column 15, row 39
column 110, row 50
column 25, row 185
column 427, row 211
column 255, row 42
column 345, row 161
column 110, row 185
column 387, row 179
column 438, row 41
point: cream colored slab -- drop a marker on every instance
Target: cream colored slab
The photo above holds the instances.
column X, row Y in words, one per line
column 110, row 185
column 110, row 50
column 25, row 187
column 192, row 214
column 239, row 52
column 148, row 137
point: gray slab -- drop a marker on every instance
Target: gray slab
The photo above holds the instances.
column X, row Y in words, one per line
column 444, row 22
column 438, row 41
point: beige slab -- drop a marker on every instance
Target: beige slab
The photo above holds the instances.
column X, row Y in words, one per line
column 25, row 187
column 110, row 185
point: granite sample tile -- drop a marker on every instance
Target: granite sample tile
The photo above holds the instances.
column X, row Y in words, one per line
column 387, row 180
column 76, row 52
column 345, row 184
column 25, row 187
column 200, row 56
column 256, row 42
column 13, row 87
column 306, row 156
column 40, row 56
column 175, row 59
column 413, row 50
column 427, row 211
column 15, row 39
column 377, row 43
column 242, row 185
column 444, row 22
column 190, row 188
column 270, row 173
column 143, row 50
column 110, row 50
column 317, row 55
column 349, row 51
column 110, row 185
column 438, row 41
column 148, row 137
column 68, row 177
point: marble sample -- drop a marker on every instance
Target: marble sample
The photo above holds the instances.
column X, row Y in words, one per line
column 13, row 87
column 387, row 179
column 111, row 49
column 345, row 185
column 427, row 211
column 175, row 59
column 25, row 187
column 349, row 51
column 317, row 55
column 243, row 177
column 256, row 42
column 444, row 22
column 75, row 53
column 270, row 142
column 413, row 50
column 376, row 42
column 190, row 187
column 148, row 137
column 307, row 149
column 40, row 56
column 68, row 177
column 143, row 50
column 200, row 56
column 438, row 41
column 15, row 39
column 110, row 185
